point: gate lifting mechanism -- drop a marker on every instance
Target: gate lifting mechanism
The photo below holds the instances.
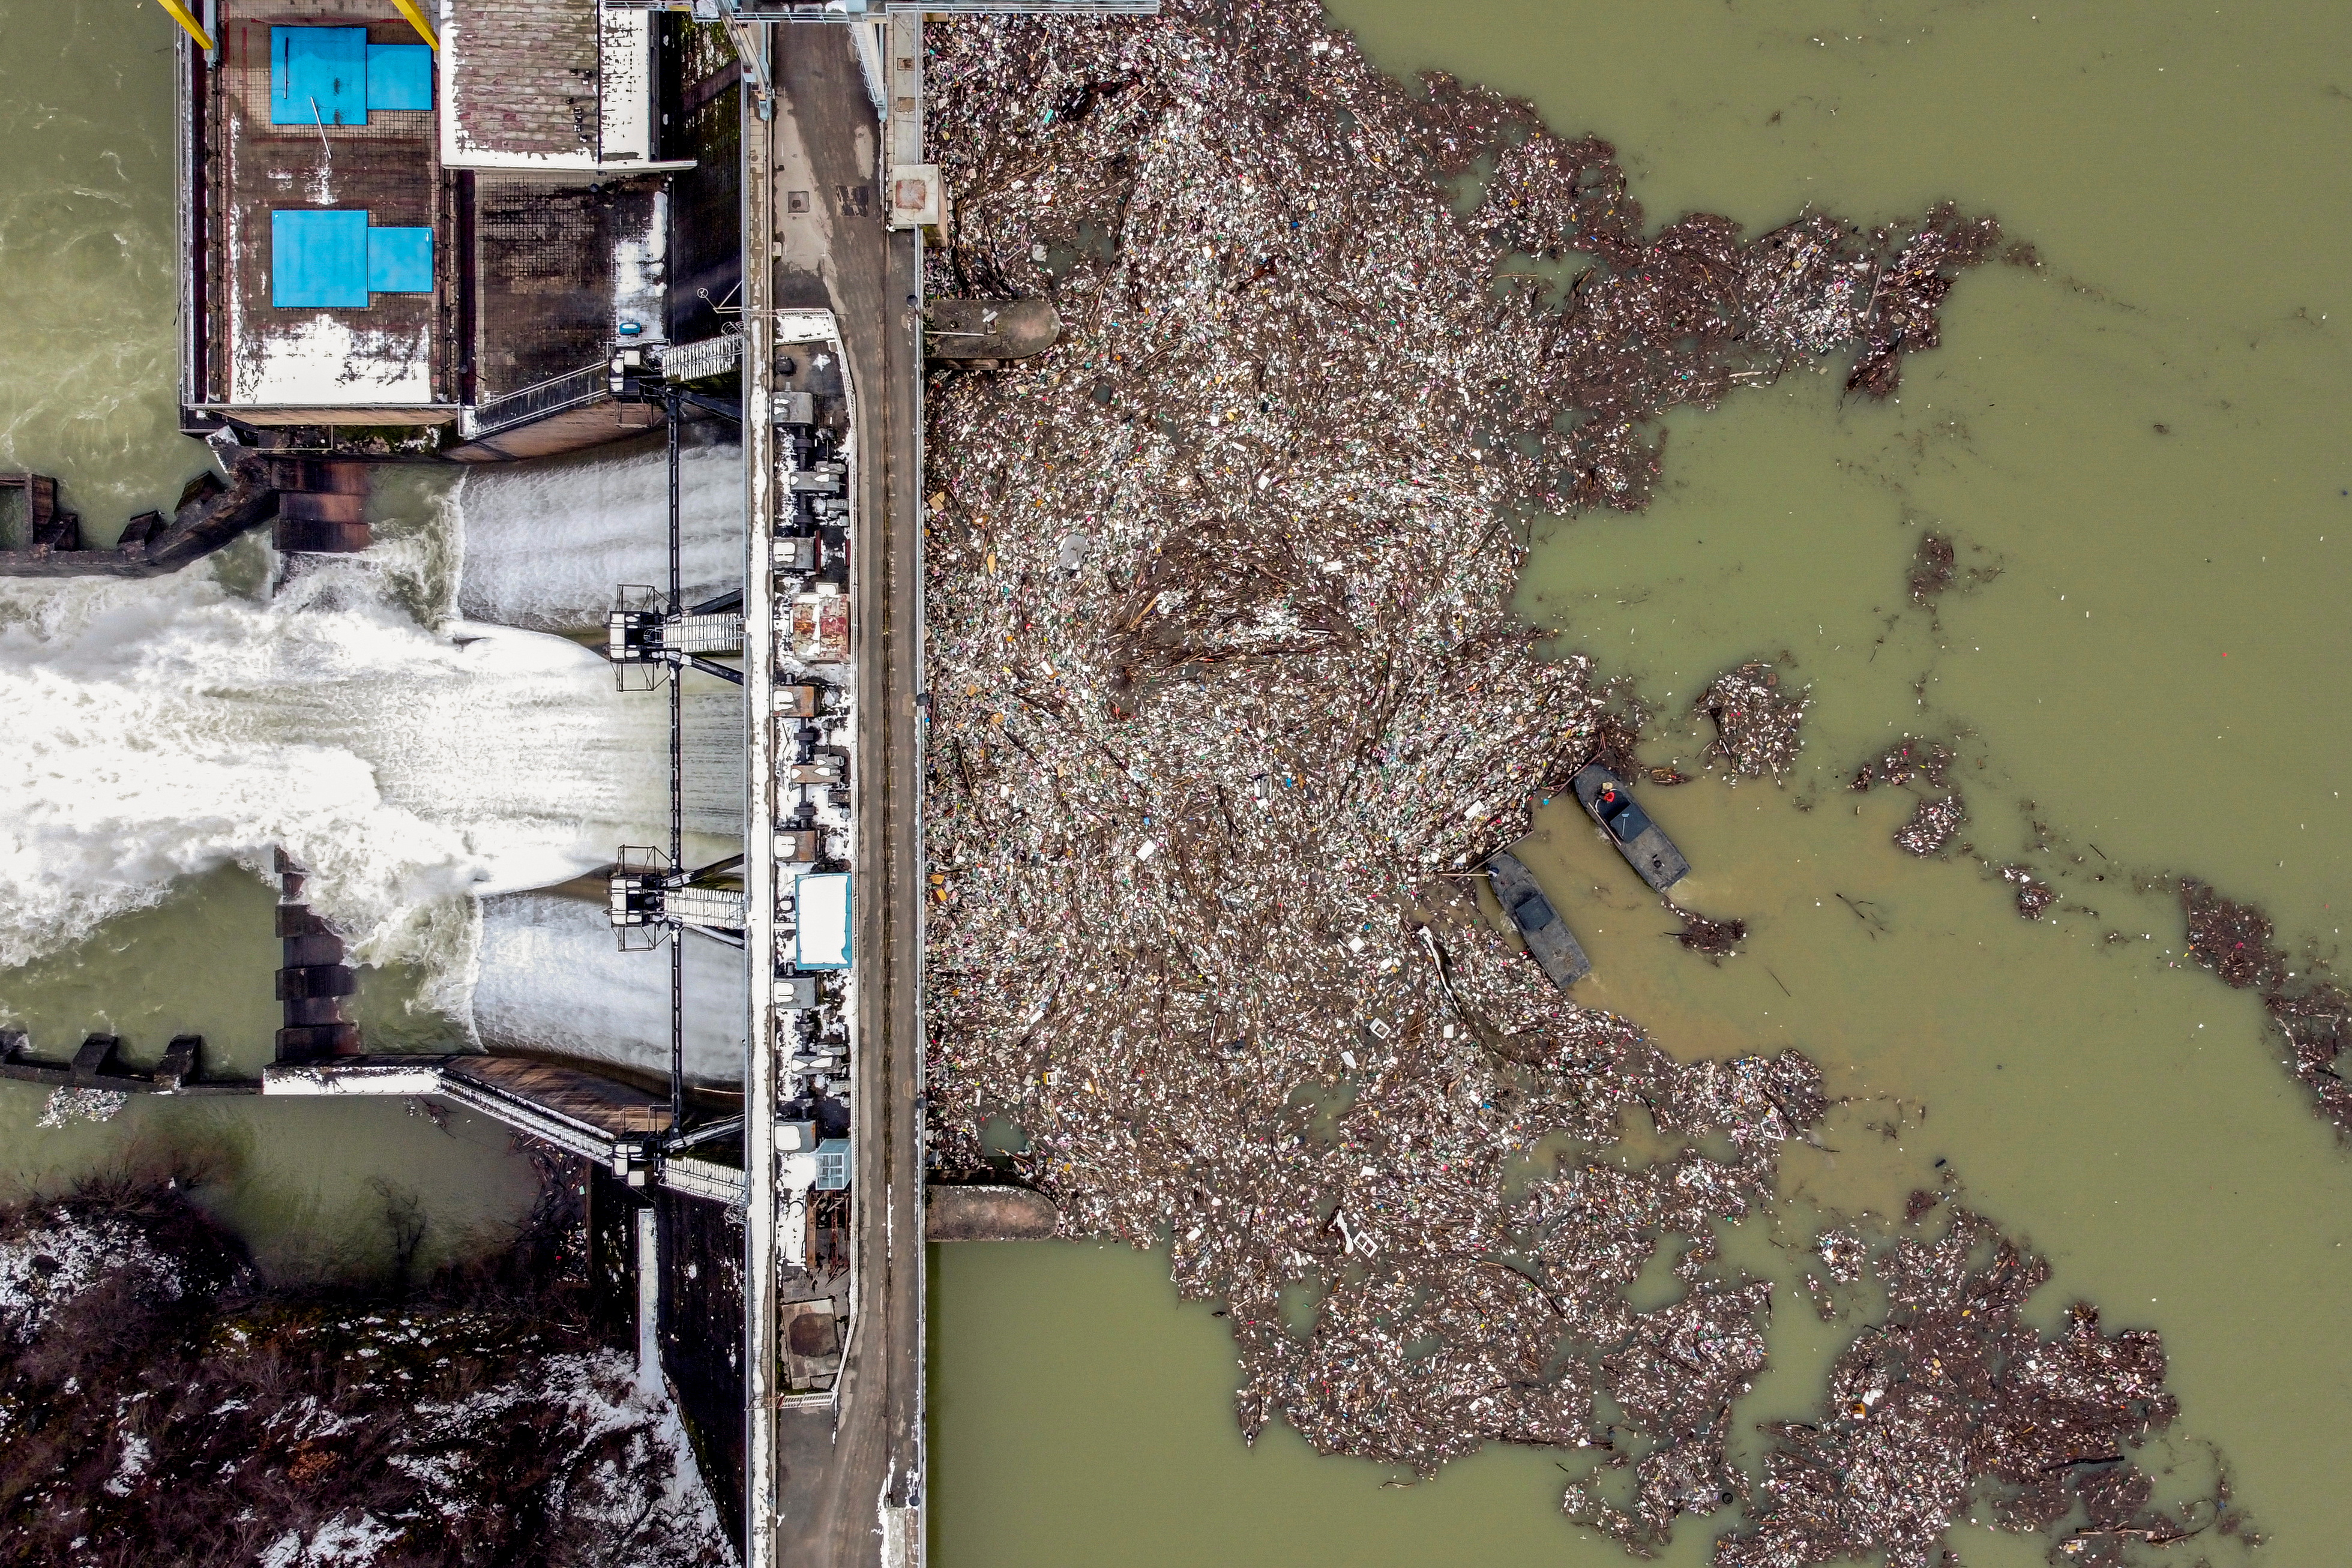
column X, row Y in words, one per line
column 650, row 896
column 648, row 640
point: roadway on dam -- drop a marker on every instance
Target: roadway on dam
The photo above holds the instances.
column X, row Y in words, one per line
column 848, row 1479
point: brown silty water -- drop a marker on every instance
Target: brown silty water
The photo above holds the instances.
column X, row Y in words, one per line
column 2131, row 449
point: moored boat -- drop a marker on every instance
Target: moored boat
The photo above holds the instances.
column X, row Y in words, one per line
column 1641, row 842
column 1551, row 943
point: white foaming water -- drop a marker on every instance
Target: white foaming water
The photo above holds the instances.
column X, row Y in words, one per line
column 550, row 977
column 546, row 544
column 160, row 728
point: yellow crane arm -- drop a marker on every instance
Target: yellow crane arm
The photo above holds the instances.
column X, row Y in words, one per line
column 180, row 14
column 415, row 15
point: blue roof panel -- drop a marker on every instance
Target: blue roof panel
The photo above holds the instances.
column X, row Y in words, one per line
column 320, row 258
column 400, row 261
column 317, row 75
column 399, row 75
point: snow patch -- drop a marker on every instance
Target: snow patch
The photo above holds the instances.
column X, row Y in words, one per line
column 43, row 1268
column 346, row 1541
column 135, row 1457
column 605, row 1390
column 324, row 362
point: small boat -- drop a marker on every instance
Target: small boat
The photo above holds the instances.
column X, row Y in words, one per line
column 1549, row 941
column 1646, row 849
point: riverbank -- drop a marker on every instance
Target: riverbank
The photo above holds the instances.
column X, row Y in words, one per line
column 159, row 1400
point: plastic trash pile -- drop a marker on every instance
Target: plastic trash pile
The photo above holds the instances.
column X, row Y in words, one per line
column 2033, row 894
column 1757, row 720
column 2235, row 941
column 1908, row 760
column 1955, row 1402
column 1228, row 704
column 1932, row 825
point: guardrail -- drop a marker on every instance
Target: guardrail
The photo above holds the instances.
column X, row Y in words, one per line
column 702, row 360
column 553, row 395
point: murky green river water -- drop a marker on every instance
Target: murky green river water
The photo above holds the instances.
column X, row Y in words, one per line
column 88, row 376
column 2156, row 668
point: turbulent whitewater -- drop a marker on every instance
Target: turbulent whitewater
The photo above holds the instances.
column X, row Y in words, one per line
column 162, row 728
column 544, row 544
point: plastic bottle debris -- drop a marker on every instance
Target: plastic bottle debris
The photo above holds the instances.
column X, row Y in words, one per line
column 1755, row 720
column 1227, row 571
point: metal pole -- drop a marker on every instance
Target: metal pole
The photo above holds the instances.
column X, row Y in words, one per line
column 677, row 802
column 676, row 1032
column 677, row 673
column 676, row 585
column 408, row 8
column 753, row 46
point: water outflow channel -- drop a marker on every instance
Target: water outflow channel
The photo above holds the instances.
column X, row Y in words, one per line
column 428, row 730
column 167, row 727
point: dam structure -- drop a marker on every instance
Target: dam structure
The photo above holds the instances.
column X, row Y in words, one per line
column 479, row 233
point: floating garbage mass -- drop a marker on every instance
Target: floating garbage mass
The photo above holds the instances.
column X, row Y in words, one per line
column 1228, row 707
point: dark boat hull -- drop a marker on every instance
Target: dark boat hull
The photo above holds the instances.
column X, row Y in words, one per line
column 1649, row 851
column 1549, row 942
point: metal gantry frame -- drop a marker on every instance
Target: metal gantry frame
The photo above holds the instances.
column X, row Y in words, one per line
column 676, row 792
column 636, row 645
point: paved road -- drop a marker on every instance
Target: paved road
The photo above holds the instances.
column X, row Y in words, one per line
column 850, row 1480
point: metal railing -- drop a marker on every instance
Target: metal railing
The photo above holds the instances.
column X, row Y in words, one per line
column 702, row 360
column 553, row 395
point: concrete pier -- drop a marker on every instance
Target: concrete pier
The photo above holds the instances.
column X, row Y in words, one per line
column 321, row 506
column 843, row 1483
column 987, row 330
column 212, row 512
column 983, row 1213
column 312, row 978
column 96, row 1064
